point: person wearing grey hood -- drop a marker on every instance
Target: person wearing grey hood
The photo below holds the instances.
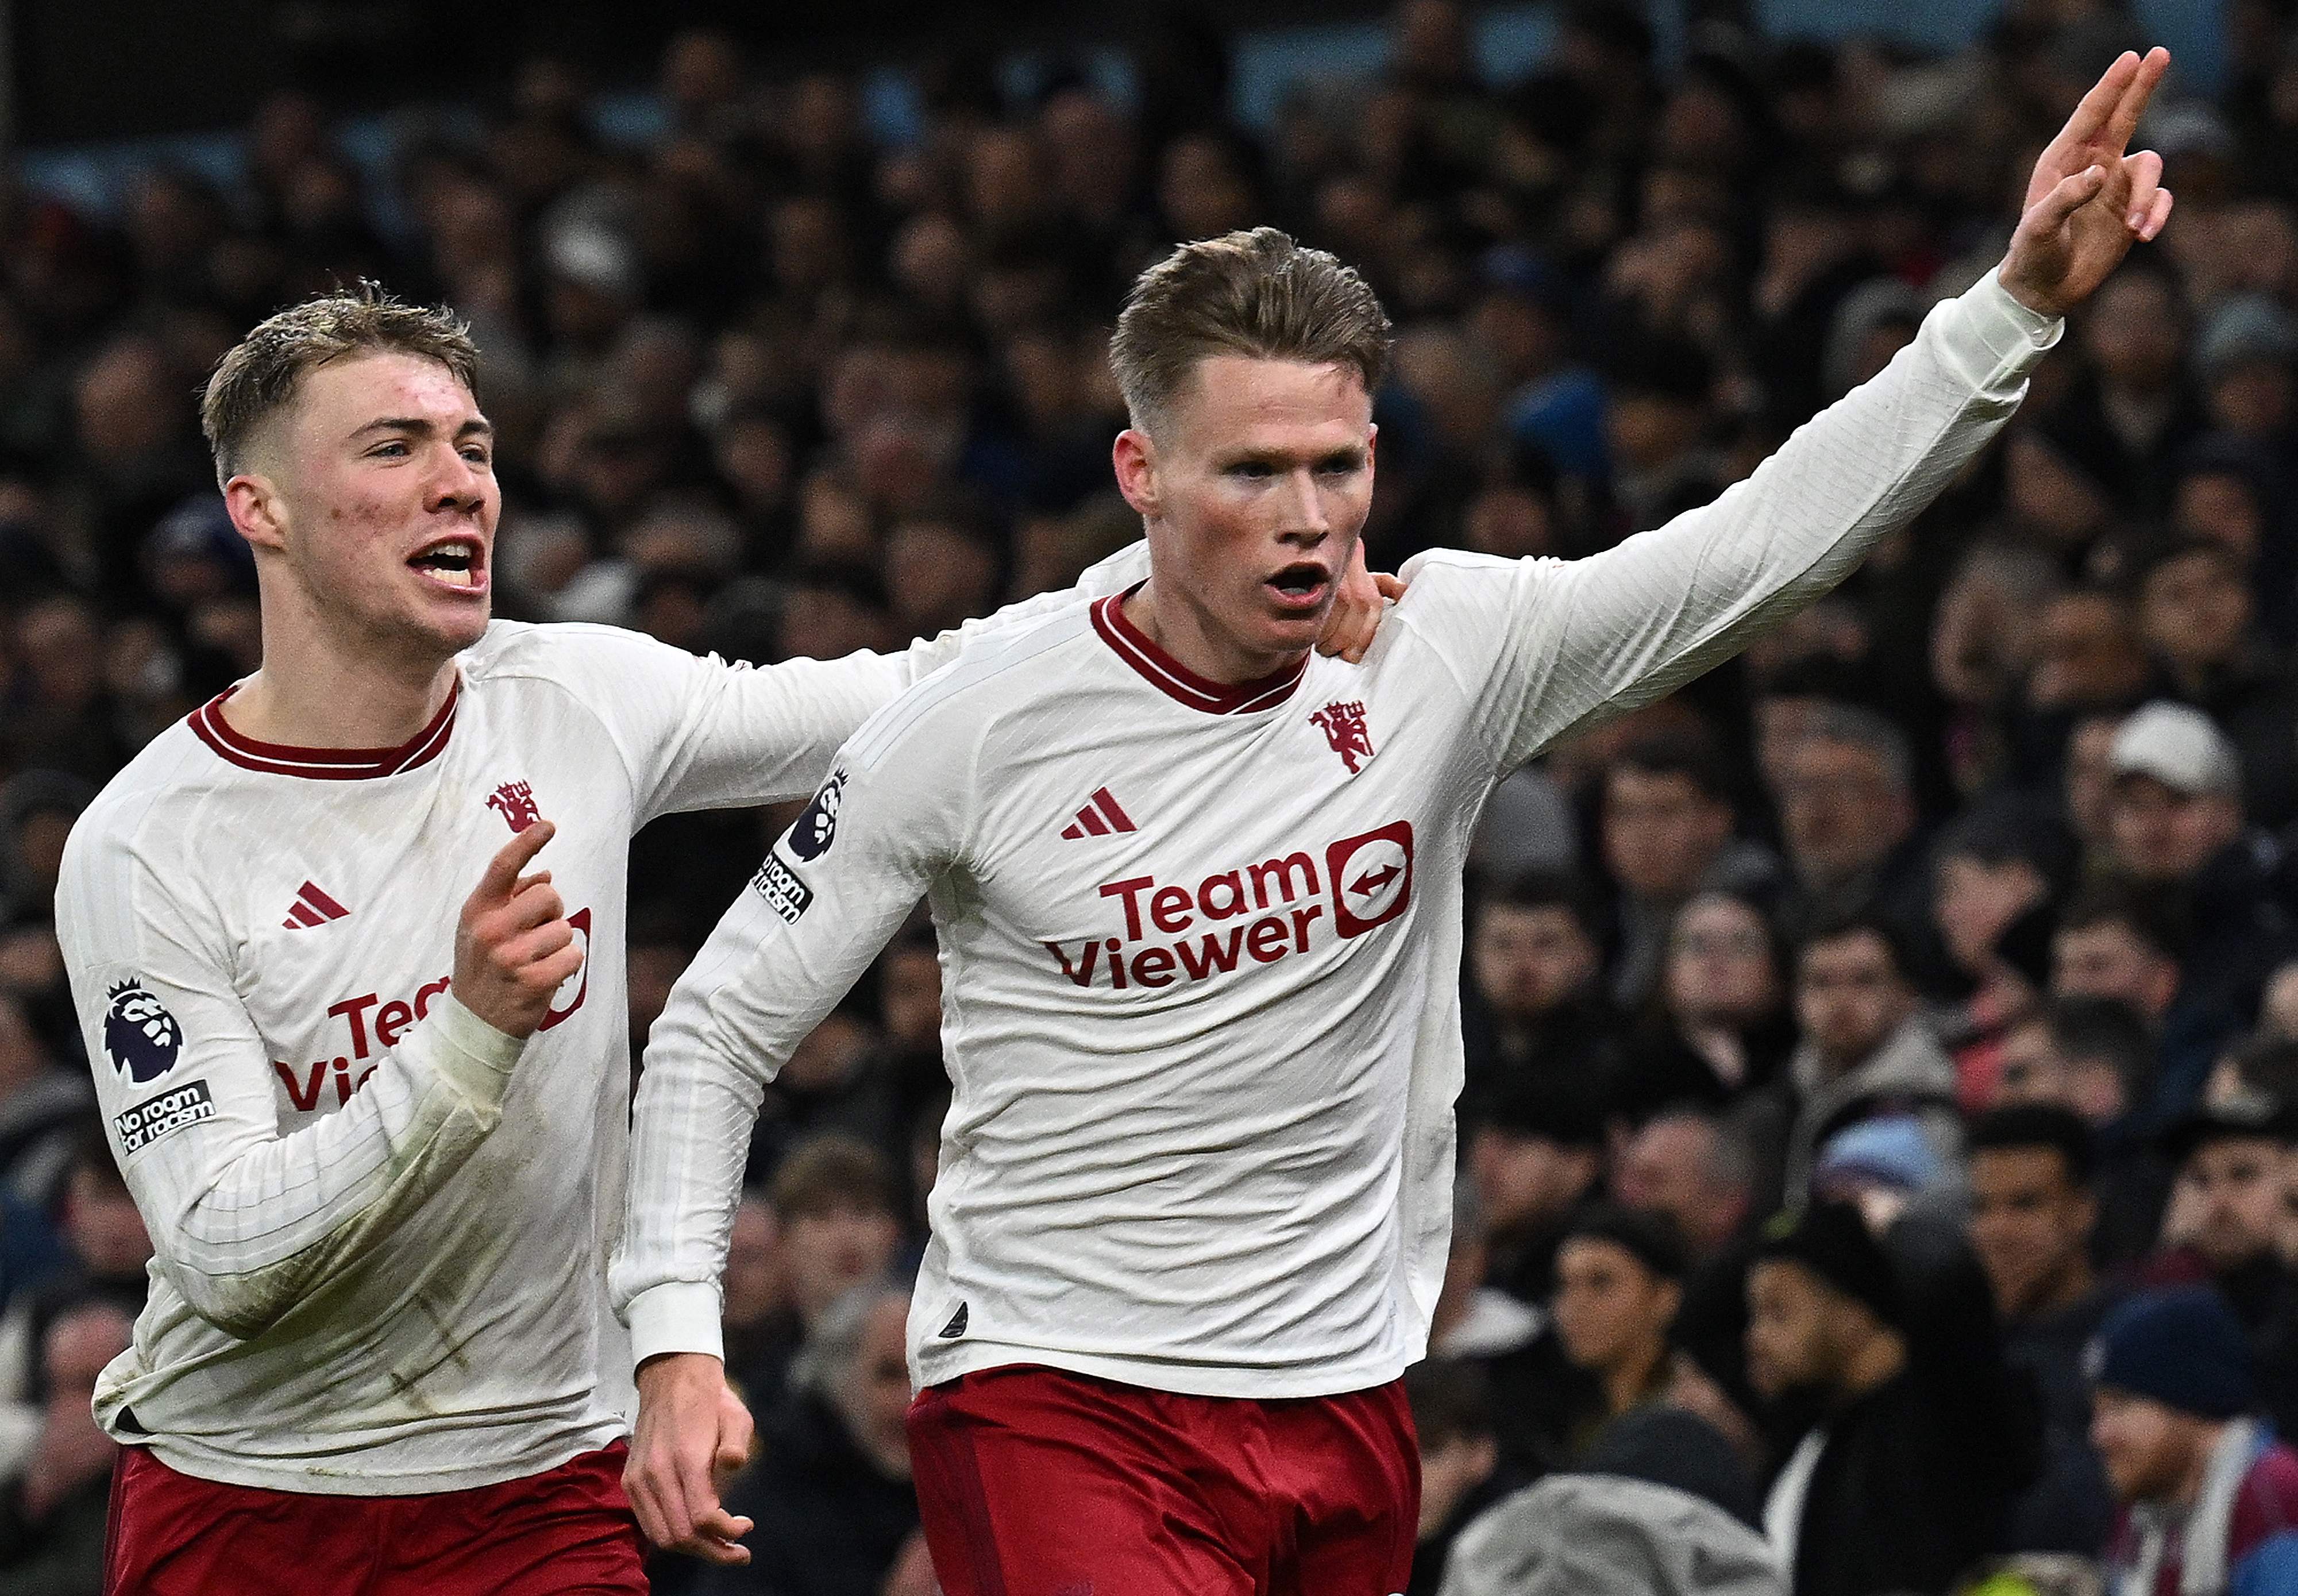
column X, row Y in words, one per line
column 1661, row 1507
column 1865, row 1049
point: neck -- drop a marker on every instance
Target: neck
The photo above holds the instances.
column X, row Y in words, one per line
column 2063, row 1288
column 1185, row 631
column 320, row 687
column 1627, row 1382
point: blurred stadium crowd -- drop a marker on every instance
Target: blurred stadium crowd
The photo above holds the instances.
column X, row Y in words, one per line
column 1958, row 921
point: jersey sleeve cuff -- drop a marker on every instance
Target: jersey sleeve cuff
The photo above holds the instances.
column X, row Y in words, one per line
column 2009, row 331
column 678, row 1316
column 474, row 1057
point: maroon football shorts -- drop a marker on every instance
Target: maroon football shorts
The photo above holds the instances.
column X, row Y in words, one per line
column 1033, row 1482
column 566, row 1532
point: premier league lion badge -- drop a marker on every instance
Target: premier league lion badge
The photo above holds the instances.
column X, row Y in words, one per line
column 810, row 836
column 139, row 1034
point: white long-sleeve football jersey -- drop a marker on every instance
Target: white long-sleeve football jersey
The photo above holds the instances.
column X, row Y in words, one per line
column 1201, row 942
column 382, row 1226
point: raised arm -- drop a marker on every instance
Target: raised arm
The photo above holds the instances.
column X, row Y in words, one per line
column 1547, row 647
column 246, row 1222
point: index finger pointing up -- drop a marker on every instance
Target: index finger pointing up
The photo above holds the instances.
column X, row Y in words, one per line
column 503, row 869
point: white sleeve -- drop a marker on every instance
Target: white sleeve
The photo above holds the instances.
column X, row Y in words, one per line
column 698, row 733
column 1545, row 646
column 829, row 894
column 247, row 1222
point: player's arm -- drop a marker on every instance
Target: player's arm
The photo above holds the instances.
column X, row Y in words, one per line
column 709, row 735
column 1564, row 643
column 247, row 1222
column 826, row 898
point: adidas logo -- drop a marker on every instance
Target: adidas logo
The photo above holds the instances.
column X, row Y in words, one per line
column 1099, row 818
column 957, row 1326
column 313, row 907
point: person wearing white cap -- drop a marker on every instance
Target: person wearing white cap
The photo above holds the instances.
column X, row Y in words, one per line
column 2175, row 803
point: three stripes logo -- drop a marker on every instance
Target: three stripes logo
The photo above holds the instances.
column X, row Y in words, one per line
column 313, row 907
column 1099, row 818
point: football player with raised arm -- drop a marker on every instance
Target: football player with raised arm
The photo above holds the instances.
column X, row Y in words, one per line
column 1199, row 897
column 365, row 1066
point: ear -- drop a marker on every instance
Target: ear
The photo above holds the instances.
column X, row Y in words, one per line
column 253, row 504
column 1134, row 457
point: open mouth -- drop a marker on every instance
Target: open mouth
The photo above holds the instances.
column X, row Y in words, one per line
column 457, row 562
column 1301, row 586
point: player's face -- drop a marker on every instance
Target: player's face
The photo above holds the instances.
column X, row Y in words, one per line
column 1254, row 491
column 386, row 500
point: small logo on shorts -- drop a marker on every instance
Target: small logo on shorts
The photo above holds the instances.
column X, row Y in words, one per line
column 957, row 1326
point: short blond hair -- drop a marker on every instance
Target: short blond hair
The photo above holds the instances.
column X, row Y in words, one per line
column 1256, row 293
column 257, row 376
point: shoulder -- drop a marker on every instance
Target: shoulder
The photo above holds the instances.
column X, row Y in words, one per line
column 150, row 802
column 566, row 651
column 992, row 677
column 1446, row 586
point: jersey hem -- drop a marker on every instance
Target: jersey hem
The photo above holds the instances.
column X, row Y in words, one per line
column 1182, row 1379
column 226, row 1468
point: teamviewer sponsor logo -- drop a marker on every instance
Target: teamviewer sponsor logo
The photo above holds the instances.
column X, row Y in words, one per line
column 1255, row 915
column 785, row 894
column 186, row 1104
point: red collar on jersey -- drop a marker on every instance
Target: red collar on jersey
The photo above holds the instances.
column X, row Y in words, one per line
column 324, row 764
column 1177, row 680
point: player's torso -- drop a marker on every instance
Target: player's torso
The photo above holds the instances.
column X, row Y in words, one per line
column 340, row 900
column 1190, row 970
column 345, row 904
column 1149, row 860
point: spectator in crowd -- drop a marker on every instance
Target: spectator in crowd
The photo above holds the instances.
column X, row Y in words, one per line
column 1910, row 1473
column 1619, row 1280
column 2032, row 1211
column 1848, row 821
column 830, row 1490
column 837, row 1223
column 1995, row 871
column 2119, row 940
column 2210, row 1498
column 756, row 1304
column 1723, row 1032
column 1668, row 833
column 2175, row 821
column 1536, row 1156
column 2197, row 615
column 1865, row 1049
column 2032, row 1214
column 1537, row 962
column 1462, row 1472
column 52, row 1507
column 1694, row 1170
column 2224, row 1218
column 2095, row 1057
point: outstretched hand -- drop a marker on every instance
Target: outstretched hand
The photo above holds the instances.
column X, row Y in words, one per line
column 2089, row 201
